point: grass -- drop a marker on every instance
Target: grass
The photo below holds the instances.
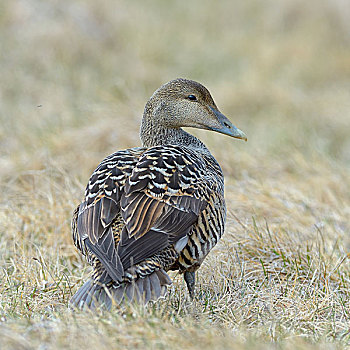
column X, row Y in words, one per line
column 74, row 80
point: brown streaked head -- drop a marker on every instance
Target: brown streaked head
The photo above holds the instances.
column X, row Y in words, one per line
column 186, row 103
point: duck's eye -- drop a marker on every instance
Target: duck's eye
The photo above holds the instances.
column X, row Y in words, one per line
column 192, row 97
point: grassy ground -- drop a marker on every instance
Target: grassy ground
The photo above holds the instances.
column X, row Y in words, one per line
column 75, row 76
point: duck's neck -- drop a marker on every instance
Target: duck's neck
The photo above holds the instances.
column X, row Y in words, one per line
column 153, row 134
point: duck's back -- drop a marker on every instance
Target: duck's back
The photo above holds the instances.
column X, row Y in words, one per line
column 148, row 210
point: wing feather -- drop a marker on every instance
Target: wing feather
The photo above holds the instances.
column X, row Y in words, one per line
column 105, row 250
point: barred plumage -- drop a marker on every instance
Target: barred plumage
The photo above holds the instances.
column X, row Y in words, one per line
column 155, row 208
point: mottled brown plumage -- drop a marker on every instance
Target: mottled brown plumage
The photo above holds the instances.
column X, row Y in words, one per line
column 155, row 208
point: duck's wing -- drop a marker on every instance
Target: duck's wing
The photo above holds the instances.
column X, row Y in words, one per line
column 159, row 193
column 101, row 206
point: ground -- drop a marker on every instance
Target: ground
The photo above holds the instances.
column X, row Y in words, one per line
column 75, row 76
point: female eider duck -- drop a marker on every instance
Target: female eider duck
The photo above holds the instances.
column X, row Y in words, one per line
column 155, row 208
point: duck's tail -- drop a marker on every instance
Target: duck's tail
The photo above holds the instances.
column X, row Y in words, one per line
column 141, row 290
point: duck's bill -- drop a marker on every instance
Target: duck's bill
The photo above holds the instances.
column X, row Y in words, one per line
column 226, row 127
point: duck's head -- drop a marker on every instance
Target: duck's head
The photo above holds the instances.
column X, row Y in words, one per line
column 186, row 103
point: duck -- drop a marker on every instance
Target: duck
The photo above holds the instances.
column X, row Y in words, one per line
column 156, row 208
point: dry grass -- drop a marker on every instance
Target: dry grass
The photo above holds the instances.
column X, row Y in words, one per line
column 74, row 78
